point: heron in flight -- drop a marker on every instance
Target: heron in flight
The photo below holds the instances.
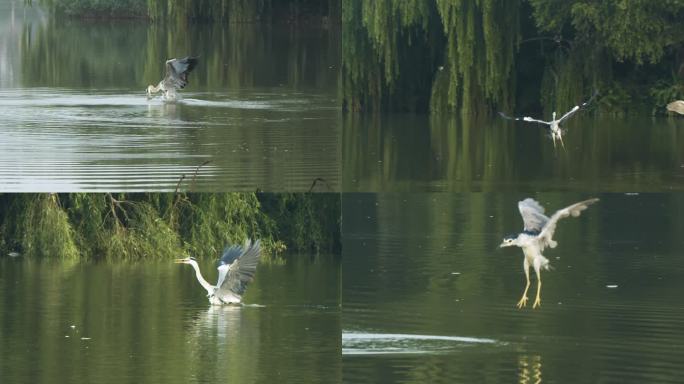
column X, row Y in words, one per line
column 554, row 125
column 537, row 234
column 236, row 269
column 176, row 77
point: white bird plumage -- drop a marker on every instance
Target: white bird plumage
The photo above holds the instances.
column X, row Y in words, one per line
column 538, row 231
column 236, row 269
column 176, row 77
column 554, row 125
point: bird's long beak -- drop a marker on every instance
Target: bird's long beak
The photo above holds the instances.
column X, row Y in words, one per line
column 181, row 261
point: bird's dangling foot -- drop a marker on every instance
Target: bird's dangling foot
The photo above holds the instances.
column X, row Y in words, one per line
column 522, row 302
column 537, row 302
column 561, row 141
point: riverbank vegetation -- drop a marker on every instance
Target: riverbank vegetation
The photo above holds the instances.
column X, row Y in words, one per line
column 481, row 56
column 164, row 225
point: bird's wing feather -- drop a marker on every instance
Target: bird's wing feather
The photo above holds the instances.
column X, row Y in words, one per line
column 223, row 271
column 532, row 214
column 546, row 235
column 570, row 113
column 578, row 107
column 177, row 71
column 241, row 271
column 230, row 254
column 505, row 116
column 531, row 120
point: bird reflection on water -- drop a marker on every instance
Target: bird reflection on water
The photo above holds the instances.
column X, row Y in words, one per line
column 529, row 369
column 224, row 344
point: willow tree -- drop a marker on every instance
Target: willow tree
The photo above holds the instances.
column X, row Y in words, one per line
column 632, row 50
column 482, row 39
column 429, row 54
column 387, row 52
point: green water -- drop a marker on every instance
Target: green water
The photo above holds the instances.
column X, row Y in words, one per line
column 422, row 293
column 429, row 297
column 404, row 153
column 261, row 106
column 151, row 322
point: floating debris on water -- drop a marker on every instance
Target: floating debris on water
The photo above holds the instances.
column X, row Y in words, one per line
column 611, row 286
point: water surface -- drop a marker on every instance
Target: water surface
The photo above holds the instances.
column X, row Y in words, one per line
column 429, row 297
column 399, row 152
column 261, row 106
column 151, row 322
column 61, row 140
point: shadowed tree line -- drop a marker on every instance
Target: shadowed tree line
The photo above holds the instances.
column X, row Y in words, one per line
column 127, row 53
column 289, row 11
column 479, row 56
column 164, row 225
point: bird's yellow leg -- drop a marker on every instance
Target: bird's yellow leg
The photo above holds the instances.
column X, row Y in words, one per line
column 561, row 141
column 537, row 300
column 523, row 300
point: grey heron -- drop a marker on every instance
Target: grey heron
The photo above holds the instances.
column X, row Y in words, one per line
column 236, row 269
column 554, row 124
column 537, row 234
column 176, row 77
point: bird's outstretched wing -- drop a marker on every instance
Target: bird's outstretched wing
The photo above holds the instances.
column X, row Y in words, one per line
column 230, row 254
column 578, row 107
column 177, row 71
column 526, row 118
column 235, row 275
column 532, row 214
column 505, row 116
column 546, row 235
column 531, row 120
column 569, row 113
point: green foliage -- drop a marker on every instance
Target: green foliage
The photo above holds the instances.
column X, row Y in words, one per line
column 664, row 92
column 393, row 54
column 161, row 226
column 384, row 53
column 482, row 38
column 186, row 10
column 210, row 221
column 637, row 30
column 467, row 51
column 308, row 221
column 98, row 8
column 37, row 225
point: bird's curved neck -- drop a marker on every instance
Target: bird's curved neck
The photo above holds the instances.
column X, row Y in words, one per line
column 200, row 278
